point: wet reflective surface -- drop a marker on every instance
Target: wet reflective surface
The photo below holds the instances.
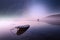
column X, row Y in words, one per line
column 39, row 32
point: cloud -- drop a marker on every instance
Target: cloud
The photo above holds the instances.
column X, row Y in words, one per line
column 8, row 7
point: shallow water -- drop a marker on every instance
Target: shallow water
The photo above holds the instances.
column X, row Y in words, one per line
column 37, row 31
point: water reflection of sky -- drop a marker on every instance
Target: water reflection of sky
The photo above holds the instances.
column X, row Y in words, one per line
column 37, row 30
